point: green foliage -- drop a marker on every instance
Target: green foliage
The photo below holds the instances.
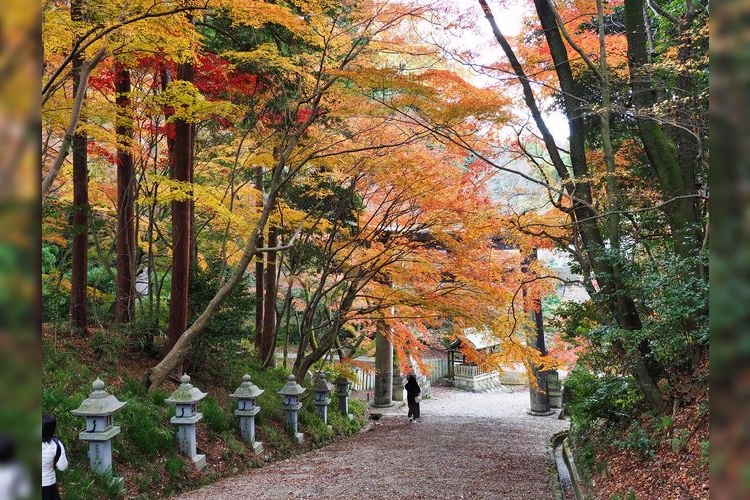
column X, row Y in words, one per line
column 630, row 495
column 220, row 350
column 55, row 299
column 214, row 415
column 664, row 423
column 592, row 398
column 279, row 438
column 705, row 452
column 149, row 322
column 679, row 440
column 638, row 440
column 675, row 297
column 312, row 425
column 107, row 345
column 174, row 465
column 144, row 424
column 78, row 483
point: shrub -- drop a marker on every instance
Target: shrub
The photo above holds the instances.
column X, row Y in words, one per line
column 595, row 397
column 638, row 440
column 213, row 415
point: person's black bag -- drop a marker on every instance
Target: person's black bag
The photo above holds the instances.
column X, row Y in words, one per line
column 58, row 450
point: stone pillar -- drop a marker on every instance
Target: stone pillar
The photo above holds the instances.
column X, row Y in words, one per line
column 398, row 383
column 383, row 369
column 539, row 396
column 554, row 389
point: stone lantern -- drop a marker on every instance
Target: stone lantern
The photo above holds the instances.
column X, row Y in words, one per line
column 342, row 391
column 185, row 399
column 245, row 395
column 554, row 389
column 98, row 409
column 291, row 404
column 322, row 389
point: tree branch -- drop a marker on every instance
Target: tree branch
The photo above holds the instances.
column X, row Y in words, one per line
column 73, row 122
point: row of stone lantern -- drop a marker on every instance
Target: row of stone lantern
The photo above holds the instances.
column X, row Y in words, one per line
column 100, row 406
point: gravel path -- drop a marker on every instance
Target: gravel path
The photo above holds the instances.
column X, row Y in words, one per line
column 465, row 445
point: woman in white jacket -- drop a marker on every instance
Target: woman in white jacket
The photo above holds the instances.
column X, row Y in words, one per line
column 53, row 455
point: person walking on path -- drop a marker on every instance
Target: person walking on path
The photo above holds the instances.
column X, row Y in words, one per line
column 412, row 397
column 53, row 455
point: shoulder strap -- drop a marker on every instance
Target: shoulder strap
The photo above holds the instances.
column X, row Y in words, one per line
column 58, row 450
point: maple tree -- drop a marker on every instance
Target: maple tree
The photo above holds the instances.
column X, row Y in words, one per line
column 317, row 142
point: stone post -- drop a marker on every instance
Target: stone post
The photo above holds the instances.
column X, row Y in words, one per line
column 398, row 383
column 383, row 369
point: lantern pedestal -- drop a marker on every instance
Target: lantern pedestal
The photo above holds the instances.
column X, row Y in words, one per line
column 247, row 428
column 100, row 449
column 291, row 421
column 186, row 438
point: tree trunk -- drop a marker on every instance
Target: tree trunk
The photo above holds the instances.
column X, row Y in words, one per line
column 269, row 303
column 613, row 219
column 259, row 256
column 155, row 376
column 79, row 275
column 181, row 170
column 661, row 152
column 125, row 301
column 617, row 301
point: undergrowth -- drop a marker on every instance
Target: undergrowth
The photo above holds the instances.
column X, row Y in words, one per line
column 145, row 452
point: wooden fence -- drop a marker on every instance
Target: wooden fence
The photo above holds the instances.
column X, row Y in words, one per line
column 468, row 371
column 366, row 377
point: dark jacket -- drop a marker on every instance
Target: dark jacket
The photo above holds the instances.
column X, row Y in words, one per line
column 412, row 387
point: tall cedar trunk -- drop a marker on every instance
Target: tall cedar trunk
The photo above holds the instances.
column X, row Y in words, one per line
column 181, row 170
column 79, row 275
column 619, row 303
column 661, row 152
column 191, row 201
column 269, row 302
column 259, row 256
column 125, row 304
